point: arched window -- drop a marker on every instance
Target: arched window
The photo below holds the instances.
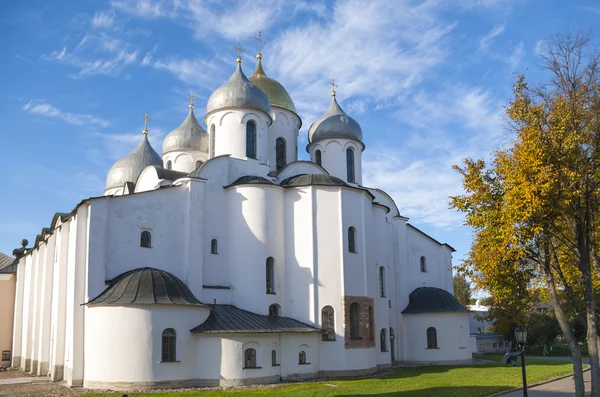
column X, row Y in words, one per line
column 354, row 321
column 350, row 165
column 212, row 141
column 249, row 358
column 371, row 324
column 383, row 340
column 274, row 310
column 169, row 165
column 302, row 357
column 146, row 239
column 318, row 157
column 270, row 277
column 169, row 345
column 328, row 323
column 382, row 281
column 423, row 265
column 280, row 160
column 198, row 164
column 214, row 246
column 432, row 338
column 273, row 358
column 251, row 139
column 351, row 239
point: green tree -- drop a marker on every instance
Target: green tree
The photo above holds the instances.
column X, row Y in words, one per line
column 462, row 290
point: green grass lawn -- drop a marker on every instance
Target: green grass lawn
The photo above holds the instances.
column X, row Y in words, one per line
column 558, row 350
column 425, row 381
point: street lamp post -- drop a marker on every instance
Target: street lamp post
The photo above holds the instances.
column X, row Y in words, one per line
column 521, row 337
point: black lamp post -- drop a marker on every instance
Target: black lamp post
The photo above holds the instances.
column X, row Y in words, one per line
column 521, row 337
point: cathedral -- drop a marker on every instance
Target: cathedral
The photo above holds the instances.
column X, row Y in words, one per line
column 228, row 261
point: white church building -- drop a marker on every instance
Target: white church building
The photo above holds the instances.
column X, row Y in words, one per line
column 228, row 261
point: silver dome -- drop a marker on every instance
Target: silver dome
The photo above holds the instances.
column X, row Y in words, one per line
column 334, row 123
column 188, row 136
column 129, row 167
column 238, row 92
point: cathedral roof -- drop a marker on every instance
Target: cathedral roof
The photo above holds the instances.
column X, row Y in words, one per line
column 313, row 179
column 230, row 319
column 188, row 136
column 8, row 264
column 432, row 300
column 251, row 180
column 146, row 286
column 238, row 92
column 129, row 167
column 169, row 175
column 334, row 123
column 278, row 96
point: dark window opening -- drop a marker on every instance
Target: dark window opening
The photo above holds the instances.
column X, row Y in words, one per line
column 146, row 239
column 354, row 321
column 302, row 357
column 251, row 139
column 383, row 340
column 273, row 358
column 280, row 156
column 274, row 310
column 351, row 239
column 214, row 246
column 249, row 358
column 371, row 324
column 350, row 165
column 423, row 265
column 328, row 323
column 168, row 345
column 270, row 275
column 432, row 338
column 169, row 165
column 382, row 281
column 318, row 157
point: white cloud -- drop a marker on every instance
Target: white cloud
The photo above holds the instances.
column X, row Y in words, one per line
column 512, row 58
column 103, row 19
column 47, row 110
column 484, row 42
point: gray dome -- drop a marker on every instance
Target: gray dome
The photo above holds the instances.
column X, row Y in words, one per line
column 432, row 300
column 129, row 167
column 238, row 92
column 188, row 136
column 334, row 123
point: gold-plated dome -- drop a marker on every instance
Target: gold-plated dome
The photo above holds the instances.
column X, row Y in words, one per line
column 278, row 96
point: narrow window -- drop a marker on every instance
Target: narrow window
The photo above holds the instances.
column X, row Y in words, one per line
column 249, row 358
column 318, row 157
column 274, row 310
column 214, row 246
column 354, row 321
column 251, row 139
column 383, row 340
column 328, row 323
column 198, row 164
column 423, row 265
column 168, row 345
column 270, row 275
column 280, row 160
column 382, row 281
column 302, row 357
column 371, row 324
column 169, row 165
column 146, row 239
column 273, row 358
column 351, row 239
column 350, row 165
column 432, row 338
column 212, row 140
column 6, row 355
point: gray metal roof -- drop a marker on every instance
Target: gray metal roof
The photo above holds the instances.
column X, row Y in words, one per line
column 312, row 179
column 8, row 264
column 432, row 300
column 230, row 319
column 251, row 180
column 238, row 92
column 334, row 123
column 188, row 136
column 129, row 167
column 146, row 286
column 169, row 175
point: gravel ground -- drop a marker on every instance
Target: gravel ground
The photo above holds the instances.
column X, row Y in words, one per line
column 39, row 389
column 13, row 374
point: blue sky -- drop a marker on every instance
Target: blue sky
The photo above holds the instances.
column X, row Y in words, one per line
column 426, row 80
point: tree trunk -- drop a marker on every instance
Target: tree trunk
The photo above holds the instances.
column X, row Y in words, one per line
column 566, row 329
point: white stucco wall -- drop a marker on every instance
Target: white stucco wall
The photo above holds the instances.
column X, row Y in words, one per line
column 285, row 125
column 333, row 157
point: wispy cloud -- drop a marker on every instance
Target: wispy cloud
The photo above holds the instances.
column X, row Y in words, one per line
column 512, row 57
column 103, row 19
column 484, row 42
column 47, row 110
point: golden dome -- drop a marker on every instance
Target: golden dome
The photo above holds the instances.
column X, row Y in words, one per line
column 278, row 96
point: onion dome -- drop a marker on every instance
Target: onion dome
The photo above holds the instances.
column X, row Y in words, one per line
column 432, row 300
column 146, row 286
column 129, row 167
column 238, row 92
column 188, row 136
column 278, row 96
column 334, row 123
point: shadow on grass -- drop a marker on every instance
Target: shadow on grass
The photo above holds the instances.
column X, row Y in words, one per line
column 460, row 391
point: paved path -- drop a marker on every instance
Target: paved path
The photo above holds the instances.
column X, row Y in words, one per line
column 29, row 379
column 559, row 388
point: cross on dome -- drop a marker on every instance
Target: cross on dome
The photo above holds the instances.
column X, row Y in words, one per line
column 146, row 119
column 239, row 50
column 192, row 98
column 259, row 41
column 333, row 86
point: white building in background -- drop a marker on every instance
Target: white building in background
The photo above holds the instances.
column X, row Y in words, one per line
column 228, row 261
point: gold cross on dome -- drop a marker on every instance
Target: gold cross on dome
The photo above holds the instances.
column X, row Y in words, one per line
column 333, row 85
column 259, row 41
column 192, row 98
column 146, row 119
column 239, row 50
